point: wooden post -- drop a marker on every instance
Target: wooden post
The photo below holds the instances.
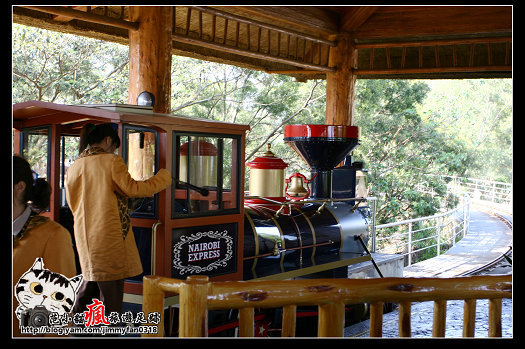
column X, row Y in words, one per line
column 440, row 318
column 54, row 171
column 404, row 319
column 289, row 315
column 246, row 322
column 376, row 319
column 193, row 313
column 340, row 85
column 469, row 318
column 495, row 317
column 331, row 320
column 141, row 162
column 150, row 55
column 153, row 301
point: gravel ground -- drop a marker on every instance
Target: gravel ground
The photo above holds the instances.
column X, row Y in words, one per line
column 421, row 321
column 422, row 312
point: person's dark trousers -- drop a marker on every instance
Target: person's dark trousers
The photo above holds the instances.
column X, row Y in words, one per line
column 110, row 293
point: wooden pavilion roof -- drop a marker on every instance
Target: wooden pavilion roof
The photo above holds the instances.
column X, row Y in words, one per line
column 391, row 41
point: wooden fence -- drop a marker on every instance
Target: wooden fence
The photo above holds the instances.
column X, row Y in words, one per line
column 197, row 295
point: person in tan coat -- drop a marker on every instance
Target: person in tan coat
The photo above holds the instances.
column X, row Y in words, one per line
column 35, row 235
column 97, row 187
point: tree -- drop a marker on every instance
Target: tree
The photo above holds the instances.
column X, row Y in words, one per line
column 62, row 68
column 479, row 114
column 400, row 149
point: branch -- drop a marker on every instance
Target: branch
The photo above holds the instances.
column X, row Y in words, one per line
column 305, row 104
column 202, row 88
column 95, row 85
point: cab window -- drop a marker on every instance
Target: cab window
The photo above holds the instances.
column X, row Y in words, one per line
column 205, row 168
column 36, row 150
column 140, row 152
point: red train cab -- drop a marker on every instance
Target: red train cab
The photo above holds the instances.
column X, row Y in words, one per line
column 194, row 228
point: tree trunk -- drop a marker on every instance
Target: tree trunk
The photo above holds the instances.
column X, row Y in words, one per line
column 150, row 55
column 340, row 85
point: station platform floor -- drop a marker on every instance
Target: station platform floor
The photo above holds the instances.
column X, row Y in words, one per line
column 487, row 239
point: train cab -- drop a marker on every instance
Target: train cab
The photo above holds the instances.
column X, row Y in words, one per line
column 195, row 227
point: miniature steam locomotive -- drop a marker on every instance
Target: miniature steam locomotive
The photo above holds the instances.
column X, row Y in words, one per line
column 317, row 228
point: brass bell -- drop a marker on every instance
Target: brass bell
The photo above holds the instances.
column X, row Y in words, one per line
column 295, row 189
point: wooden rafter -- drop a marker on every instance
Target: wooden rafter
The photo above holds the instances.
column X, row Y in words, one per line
column 313, row 19
column 64, row 12
column 435, row 56
column 297, row 40
column 355, row 16
column 389, row 22
column 246, row 37
column 60, row 18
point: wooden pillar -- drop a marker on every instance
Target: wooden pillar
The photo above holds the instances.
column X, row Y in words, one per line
column 340, row 85
column 150, row 55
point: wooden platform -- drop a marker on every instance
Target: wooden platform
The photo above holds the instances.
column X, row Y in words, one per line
column 488, row 238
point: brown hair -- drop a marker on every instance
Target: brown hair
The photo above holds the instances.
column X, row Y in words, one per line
column 93, row 134
column 37, row 190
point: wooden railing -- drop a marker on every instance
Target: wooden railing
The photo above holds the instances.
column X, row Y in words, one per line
column 197, row 295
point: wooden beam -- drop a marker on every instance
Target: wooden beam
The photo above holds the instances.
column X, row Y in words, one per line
column 405, row 21
column 248, row 53
column 85, row 16
column 355, row 16
column 478, row 54
column 488, row 68
column 418, row 43
column 67, row 19
column 308, row 18
column 263, row 25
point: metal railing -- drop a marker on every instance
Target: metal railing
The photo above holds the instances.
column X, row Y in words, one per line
column 422, row 238
column 478, row 189
column 426, row 237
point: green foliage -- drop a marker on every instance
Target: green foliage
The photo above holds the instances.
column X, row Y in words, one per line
column 401, row 150
column 477, row 114
column 63, row 68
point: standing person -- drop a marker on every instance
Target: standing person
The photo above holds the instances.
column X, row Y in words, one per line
column 35, row 235
column 97, row 188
